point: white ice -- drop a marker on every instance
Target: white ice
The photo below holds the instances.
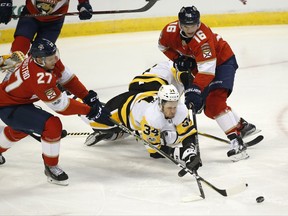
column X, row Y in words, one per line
column 119, row 178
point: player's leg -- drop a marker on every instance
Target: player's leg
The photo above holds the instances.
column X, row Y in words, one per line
column 47, row 126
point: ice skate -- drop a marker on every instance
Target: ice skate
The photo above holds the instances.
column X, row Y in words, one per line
column 237, row 148
column 246, row 129
column 96, row 137
column 56, row 175
column 2, row 159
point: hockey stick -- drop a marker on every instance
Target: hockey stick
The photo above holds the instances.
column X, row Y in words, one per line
column 198, row 178
column 127, row 130
column 223, row 192
column 250, row 143
column 38, row 138
column 142, row 9
column 214, row 137
column 183, row 171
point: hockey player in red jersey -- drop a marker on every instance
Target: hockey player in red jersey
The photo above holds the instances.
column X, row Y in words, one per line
column 35, row 79
column 48, row 27
column 193, row 46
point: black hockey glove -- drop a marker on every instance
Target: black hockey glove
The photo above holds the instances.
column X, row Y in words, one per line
column 164, row 149
column 85, row 10
column 184, row 63
column 92, row 99
column 193, row 163
column 100, row 114
column 194, row 98
column 192, row 160
column 5, row 11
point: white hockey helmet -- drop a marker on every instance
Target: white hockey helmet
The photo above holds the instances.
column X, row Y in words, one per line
column 168, row 93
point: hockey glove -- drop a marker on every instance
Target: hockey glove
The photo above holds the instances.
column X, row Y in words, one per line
column 5, row 11
column 184, row 63
column 164, row 149
column 192, row 160
column 85, row 10
column 92, row 99
column 194, row 98
column 100, row 114
column 11, row 61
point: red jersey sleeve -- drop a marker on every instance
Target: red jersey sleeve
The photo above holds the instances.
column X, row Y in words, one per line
column 169, row 39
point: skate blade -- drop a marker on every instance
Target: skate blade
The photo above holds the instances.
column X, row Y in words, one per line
column 90, row 140
column 53, row 181
column 256, row 131
column 240, row 156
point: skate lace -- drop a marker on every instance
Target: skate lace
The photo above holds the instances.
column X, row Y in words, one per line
column 56, row 170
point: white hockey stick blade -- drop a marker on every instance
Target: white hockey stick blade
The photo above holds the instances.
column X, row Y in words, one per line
column 191, row 198
column 236, row 189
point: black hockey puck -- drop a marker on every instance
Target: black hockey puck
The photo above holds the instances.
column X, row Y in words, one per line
column 260, row 199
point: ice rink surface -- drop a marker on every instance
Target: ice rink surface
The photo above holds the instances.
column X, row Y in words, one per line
column 119, row 178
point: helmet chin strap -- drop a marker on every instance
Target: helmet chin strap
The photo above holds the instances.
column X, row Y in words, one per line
column 40, row 64
column 183, row 35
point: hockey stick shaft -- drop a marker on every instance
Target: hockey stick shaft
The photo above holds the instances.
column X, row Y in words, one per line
column 250, row 143
column 142, row 9
column 214, row 137
column 198, row 153
column 38, row 138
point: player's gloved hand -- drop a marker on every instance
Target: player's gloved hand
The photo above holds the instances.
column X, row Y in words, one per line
column 5, row 11
column 192, row 160
column 91, row 99
column 100, row 114
column 9, row 62
column 184, row 63
column 85, row 10
column 194, row 98
column 157, row 155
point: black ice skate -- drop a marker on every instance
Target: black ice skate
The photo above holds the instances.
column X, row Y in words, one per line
column 56, row 175
column 96, row 137
column 238, row 149
column 2, row 159
column 246, row 129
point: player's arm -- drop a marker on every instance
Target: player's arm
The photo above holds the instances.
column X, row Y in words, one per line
column 164, row 40
column 60, row 102
column 205, row 55
column 184, row 130
column 69, row 80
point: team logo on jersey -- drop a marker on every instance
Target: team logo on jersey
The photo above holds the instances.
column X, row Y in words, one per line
column 50, row 93
column 206, row 50
column 151, row 139
column 46, row 6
